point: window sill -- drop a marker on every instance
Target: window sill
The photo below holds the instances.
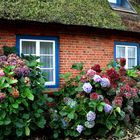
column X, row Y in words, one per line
column 50, row 91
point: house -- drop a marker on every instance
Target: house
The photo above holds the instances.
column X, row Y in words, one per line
column 63, row 32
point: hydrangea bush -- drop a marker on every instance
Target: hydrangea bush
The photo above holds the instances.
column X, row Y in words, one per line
column 96, row 102
column 22, row 103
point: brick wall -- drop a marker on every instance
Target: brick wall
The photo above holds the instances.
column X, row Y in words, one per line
column 77, row 44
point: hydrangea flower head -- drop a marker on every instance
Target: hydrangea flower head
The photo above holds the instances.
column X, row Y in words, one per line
column 87, row 87
column 70, row 102
column 89, row 124
column 107, row 108
column 80, row 128
column 2, row 96
column 97, row 78
column 91, row 72
column 122, row 62
column 94, row 96
column 91, row 116
column 97, row 68
column 118, row 101
column 1, row 73
column 105, row 82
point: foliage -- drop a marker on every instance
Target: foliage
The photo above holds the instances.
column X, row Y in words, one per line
column 22, row 103
column 95, row 103
column 9, row 50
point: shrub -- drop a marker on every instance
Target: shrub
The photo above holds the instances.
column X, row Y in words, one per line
column 9, row 50
column 22, row 103
column 95, row 103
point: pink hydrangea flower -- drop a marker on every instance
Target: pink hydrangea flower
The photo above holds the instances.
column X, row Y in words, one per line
column 1, row 73
column 91, row 73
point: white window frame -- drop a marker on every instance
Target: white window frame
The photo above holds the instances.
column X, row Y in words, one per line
column 126, row 54
column 51, row 83
column 113, row 1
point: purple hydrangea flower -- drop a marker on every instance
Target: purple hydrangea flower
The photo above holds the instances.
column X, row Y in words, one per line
column 70, row 102
column 105, row 82
column 87, row 87
column 80, row 128
column 97, row 78
column 91, row 116
column 107, row 108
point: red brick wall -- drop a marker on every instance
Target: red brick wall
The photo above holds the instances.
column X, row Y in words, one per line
column 77, row 44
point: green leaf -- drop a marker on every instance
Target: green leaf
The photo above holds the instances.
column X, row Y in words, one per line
column 77, row 66
column 27, row 131
column 118, row 110
column 1, row 122
column 7, row 121
column 26, row 116
column 30, row 96
column 55, row 135
column 100, row 108
column 80, row 87
column 66, row 76
column 19, row 132
column 49, row 99
column 2, row 114
column 109, row 125
column 11, row 81
column 15, row 105
column 19, row 124
column 71, row 115
column 63, row 113
column 41, row 123
column 92, row 104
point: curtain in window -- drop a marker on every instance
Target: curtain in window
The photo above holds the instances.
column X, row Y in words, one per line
column 28, row 47
column 46, row 57
column 120, row 52
column 131, row 57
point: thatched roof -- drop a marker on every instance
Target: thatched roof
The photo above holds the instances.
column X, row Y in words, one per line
column 94, row 13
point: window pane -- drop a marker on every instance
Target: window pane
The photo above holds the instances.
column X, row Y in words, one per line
column 131, row 52
column 28, row 47
column 49, row 75
column 47, row 61
column 120, row 52
column 112, row 1
column 46, row 47
column 131, row 62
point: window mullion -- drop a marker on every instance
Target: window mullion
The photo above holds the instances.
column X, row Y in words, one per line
column 136, row 56
column 54, row 62
column 126, row 56
column 38, row 49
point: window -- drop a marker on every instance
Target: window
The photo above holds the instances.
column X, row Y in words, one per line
column 47, row 49
column 128, row 51
column 122, row 5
